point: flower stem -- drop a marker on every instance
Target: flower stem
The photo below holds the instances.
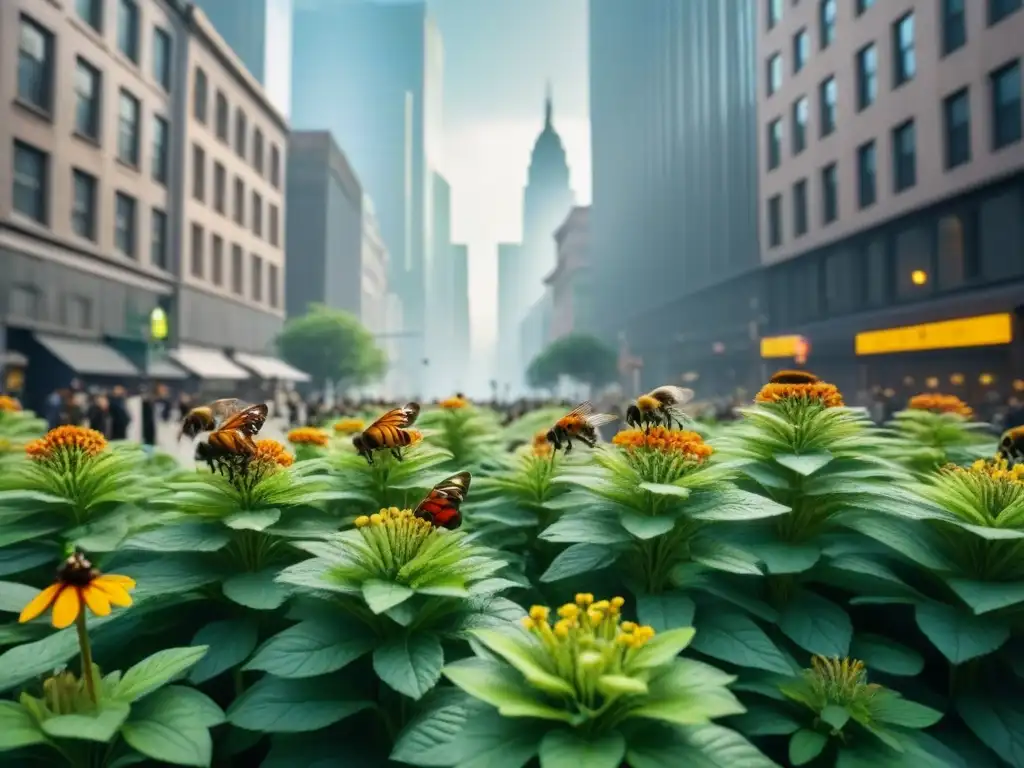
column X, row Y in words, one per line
column 86, row 651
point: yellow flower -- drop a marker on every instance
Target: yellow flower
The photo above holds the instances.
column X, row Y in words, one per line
column 61, row 441
column 9, row 404
column 454, row 403
column 349, row 426
column 541, row 447
column 689, row 445
column 601, row 629
column 839, row 681
column 308, row 436
column 272, row 453
column 997, row 469
column 937, row 403
column 823, row 392
column 78, row 584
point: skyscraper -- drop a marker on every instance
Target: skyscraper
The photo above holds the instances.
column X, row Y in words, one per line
column 461, row 339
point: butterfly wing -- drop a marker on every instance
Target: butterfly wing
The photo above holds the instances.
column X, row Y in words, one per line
column 248, row 421
column 441, row 507
column 225, row 408
column 412, row 412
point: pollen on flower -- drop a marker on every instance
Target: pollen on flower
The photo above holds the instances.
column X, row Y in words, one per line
column 272, row 453
column 997, row 469
column 308, row 436
column 9, row 404
column 540, row 447
column 395, row 520
column 938, row 403
column 589, row 628
column 454, row 403
column 66, row 440
column 676, row 442
column 822, row 392
column 584, row 599
column 349, row 426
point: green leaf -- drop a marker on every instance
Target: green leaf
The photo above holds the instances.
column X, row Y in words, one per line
column 958, row 635
column 155, row 671
column 513, row 649
column 274, row 705
column 764, row 721
column 665, row 489
column 893, row 709
column 14, row 597
column 782, row 558
column 703, row 746
column 252, row 520
column 732, row 504
column 100, row 726
column 256, row 590
column 804, row 464
column 411, row 664
column 805, row 745
column 490, row 741
column 230, row 642
column 665, row 611
column 817, row 625
column 382, row 596
column 426, row 740
column 173, row 726
column 885, row 655
column 735, row 638
column 313, row 647
column 663, row 647
column 26, row 530
column 498, row 685
column 580, row 558
column 985, row 596
column 180, row 537
column 17, row 727
column 24, row 557
column 835, row 716
column 998, row 723
column 720, row 556
column 172, row 574
column 569, row 749
column 575, row 529
column 643, row 526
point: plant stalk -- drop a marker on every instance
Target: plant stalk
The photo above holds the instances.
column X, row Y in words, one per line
column 86, row 650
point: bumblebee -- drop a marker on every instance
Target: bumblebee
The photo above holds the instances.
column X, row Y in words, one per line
column 1011, row 445
column 793, row 377
column 207, row 418
column 581, row 424
column 389, row 431
column 659, row 406
column 227, row 451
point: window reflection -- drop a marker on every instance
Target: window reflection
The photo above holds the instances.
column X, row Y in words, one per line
column 951, row 246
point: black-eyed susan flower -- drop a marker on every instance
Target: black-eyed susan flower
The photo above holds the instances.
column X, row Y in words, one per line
column 938, row 403
column 821, row 392
column 349, row 426
column 78, row 586
column 454, row 403
column 308, row 436
column 9, row 404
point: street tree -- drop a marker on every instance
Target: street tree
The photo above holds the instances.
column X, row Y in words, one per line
column 331, row 345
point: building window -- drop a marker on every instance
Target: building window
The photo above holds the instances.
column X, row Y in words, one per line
column 222, row 116
column 800, row 110
column 257, row 150
column 904, row 157
column 956, row 110
column 91, row 12
column 954, row 26
column 827, row 96
column 237, row 276
column 128, row 130
column 867, row 76
column 800, row 208
column 904, row 64
column 275, row 232
column 1006, row 96
column 239, row 201
column 83, row 208
column 774, row 9
column 124, row 225
column 197, row 251
column 31, row 168
column 257, row 214
column 200, row 97
column 1000, row 9
column 158, row 239
column 257, row 278
column 76, row 312
column 801, row 49
column 867, row 174
column 35, row 65
column 128, row 29
column 217, row 263
column 774, row 143
column 774, row 73
column 273, row 291
column 198, row 173
column 220, row 188
column 162, row 57
column 826, row 23
column 26, row 302
column 241, row 133
column 775, row 221
column 87, row 100
column 951, row 248
column 863, row 5
column 829, row 194
column 275, row 166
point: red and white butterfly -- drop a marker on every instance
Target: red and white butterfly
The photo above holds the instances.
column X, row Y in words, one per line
column 441, row 507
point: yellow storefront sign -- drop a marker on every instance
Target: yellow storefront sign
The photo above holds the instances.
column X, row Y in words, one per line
column 981, row 331
column 780, row 346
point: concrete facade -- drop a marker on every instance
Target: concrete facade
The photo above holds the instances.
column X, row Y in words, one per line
column 569, row 282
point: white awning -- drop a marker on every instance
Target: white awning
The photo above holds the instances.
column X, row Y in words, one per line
column 164, row 370
column 270, row 367
column 10, row 357
column 210, row 364
column 86, row 357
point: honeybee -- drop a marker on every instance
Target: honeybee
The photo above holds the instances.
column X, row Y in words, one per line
column 659, row 406
column 207, row 418
column 230, row 446
column 1011, row 445
column 441, row 507
column 793, row 377
column 389, row 431
column 581, row 424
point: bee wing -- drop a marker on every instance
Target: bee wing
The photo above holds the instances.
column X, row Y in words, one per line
column 600, row 419
column 584, row 410
column 412, row 412
column 672, row 396
column 226, row 407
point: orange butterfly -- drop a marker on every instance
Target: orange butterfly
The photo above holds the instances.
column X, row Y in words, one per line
column 441, row 507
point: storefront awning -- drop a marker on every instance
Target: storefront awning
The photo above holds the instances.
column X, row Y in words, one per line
column 270, row 367
column 165, row 370
column 209, row 364
column 13, row 359
column 87, row 358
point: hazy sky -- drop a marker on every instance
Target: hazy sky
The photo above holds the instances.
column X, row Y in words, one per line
column 499, row 54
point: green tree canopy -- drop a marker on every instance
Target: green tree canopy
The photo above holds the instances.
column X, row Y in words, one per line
column 581, row 357
column 331, row 345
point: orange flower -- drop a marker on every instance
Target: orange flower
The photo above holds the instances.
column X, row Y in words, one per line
column 79, row 584
column 349, row 426
column 936, row 403
column 541, row 447
column 308, row 436
column 454, row 403
column 270, row 452
column 823, row 392
column 690, row 445
column 61, row 441
column 9, row 404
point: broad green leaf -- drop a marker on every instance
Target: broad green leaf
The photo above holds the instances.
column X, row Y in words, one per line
column 180, row 537
column 804, row 464
column 253, row 520
column 663, row 647
column 665, row 489
column 171, row 574
column 571, row 749
column 17, row 727
column 720, row 556
column 764, row 721
column 732, row 504
column 25, row 556
column 985, row 596
column 816, row 625
column 257, row 590
column 155, row 671
column 885, row 655
column 805, row 745
column 496, row 684
column 490, row 741
column 173, row 726
column 410, row 664
column 998, row 723
column 645, row 526
column 958, row 635
column 906, row 537
column 892, row 709
column 706, row 746
column 100, row 726
column 735, row 638
column 382, row 596
column 274, row 705
column 835, row 716
column 516, row 653
column 580, row 558
column 314, row 647
column 665, row 611
column 14, row 597
column 230, row 642
column 781, row 558
column 443, row 713
column 26, row 530
column 575, row 529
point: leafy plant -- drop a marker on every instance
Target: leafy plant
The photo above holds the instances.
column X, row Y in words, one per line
column 936, row 430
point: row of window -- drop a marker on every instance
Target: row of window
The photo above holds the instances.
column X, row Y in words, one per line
column 129, row 35
column 997, row 11
column 222, row 111
column 27, row 302
column 826, row 18
column 220, row 193
column 198, row 267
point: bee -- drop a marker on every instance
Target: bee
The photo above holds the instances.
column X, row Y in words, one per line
column 581, row 424
column 441, row 506
column 659, row 406
column 793, row 377
column 389, row 431
column 1011, row 445
column 207, row 418
column 230, row 447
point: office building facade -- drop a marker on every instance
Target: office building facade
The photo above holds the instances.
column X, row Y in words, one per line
column 570, row 281
column 462, row 338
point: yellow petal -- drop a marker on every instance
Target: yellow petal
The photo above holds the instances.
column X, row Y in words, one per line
column 125, row 581
column 115, row 593
column 97, row 600
column 40, row 603
column 66, row 608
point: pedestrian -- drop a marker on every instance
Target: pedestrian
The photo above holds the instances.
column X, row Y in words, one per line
column 148, row 415
column 119, row 416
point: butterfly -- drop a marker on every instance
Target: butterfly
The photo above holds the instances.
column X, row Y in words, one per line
column 441, row 506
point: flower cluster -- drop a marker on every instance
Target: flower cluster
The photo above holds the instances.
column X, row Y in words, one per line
column 271, row 454
column 396, row 535
column 9, row 404
column 454, row 403
column 308, row 436
column 349, row 426
column 822, row 392
column 541, row 447
column 675, row 442
column 79, row 585
column 936, row 403
column 839, row 681
column 587, row 633
column 66, row 445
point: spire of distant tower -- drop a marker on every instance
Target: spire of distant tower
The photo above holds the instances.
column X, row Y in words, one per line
column 547, row 105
